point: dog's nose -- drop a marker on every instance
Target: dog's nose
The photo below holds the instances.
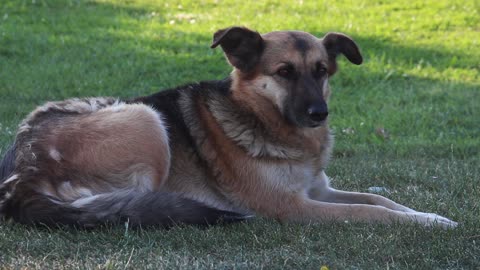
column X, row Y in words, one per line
column 317, row 113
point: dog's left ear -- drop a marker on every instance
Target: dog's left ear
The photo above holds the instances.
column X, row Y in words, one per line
column 242, row 46
column 337, row 43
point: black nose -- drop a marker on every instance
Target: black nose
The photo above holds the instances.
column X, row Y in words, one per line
column 317, row 113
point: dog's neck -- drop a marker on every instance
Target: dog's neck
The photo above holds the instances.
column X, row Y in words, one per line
column 254, row 123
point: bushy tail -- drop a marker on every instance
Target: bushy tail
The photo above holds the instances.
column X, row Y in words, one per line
column 7, row 164
column 143, row 209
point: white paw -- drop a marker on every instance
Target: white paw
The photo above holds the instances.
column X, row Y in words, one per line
column 433, row 220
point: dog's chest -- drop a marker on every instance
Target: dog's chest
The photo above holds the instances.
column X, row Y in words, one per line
column 292, row 176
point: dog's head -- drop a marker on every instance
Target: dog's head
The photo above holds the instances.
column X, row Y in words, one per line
column 289, row 68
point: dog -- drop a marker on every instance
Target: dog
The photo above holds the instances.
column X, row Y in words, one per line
column 254, row 143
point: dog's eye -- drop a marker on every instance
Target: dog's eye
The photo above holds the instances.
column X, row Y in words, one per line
column 320, row 71
column 286, row 72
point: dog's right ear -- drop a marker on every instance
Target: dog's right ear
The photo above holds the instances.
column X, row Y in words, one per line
column 242, row 46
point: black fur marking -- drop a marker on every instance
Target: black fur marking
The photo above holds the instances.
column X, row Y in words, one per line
column 300, row 44
column 166, row 102
column 7, row 165
column 139, row 209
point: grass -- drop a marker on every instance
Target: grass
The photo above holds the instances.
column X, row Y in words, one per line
column 406, row 120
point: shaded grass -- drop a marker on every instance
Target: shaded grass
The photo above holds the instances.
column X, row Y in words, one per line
column 406, row 120
column 263, row 243
column 251, row 246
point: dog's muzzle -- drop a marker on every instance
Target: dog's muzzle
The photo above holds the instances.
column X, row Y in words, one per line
column 317, row 113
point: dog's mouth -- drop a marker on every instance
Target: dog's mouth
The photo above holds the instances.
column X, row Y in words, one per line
column 303, row 122
column 317, row 124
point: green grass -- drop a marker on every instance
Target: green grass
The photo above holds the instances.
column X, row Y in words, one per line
column 420, row 83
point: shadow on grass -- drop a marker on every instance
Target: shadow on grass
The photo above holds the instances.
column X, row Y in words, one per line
column 56, row 51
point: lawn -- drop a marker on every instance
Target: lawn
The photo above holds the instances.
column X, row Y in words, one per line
column 404, row 120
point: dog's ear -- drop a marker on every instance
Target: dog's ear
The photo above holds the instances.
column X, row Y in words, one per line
column 337, row 43
column 242, row 46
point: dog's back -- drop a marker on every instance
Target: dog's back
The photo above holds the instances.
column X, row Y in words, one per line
column 85, row 162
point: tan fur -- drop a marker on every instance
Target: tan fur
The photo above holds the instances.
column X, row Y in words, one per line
column 254, row 149
column 301, row 141
column 106, row 148
column 291, row 186
column 104, row 141
column 276, row 189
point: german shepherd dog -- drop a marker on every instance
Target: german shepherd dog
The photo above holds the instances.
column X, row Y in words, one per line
column 256, row 142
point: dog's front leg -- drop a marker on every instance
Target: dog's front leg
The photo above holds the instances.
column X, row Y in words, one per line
column 321, row 191
column 300, row 208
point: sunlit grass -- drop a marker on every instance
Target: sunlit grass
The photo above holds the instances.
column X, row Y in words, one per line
column 407, row 120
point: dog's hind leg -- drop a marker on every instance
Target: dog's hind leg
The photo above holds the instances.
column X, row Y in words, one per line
column 76, row 149
column 118, row 147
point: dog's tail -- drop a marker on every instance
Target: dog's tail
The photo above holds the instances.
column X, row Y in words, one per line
column 138, row 209
column 7, row 164
column 162, row 209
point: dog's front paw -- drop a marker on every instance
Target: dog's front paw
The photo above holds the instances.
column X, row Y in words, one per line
column 433, row 220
